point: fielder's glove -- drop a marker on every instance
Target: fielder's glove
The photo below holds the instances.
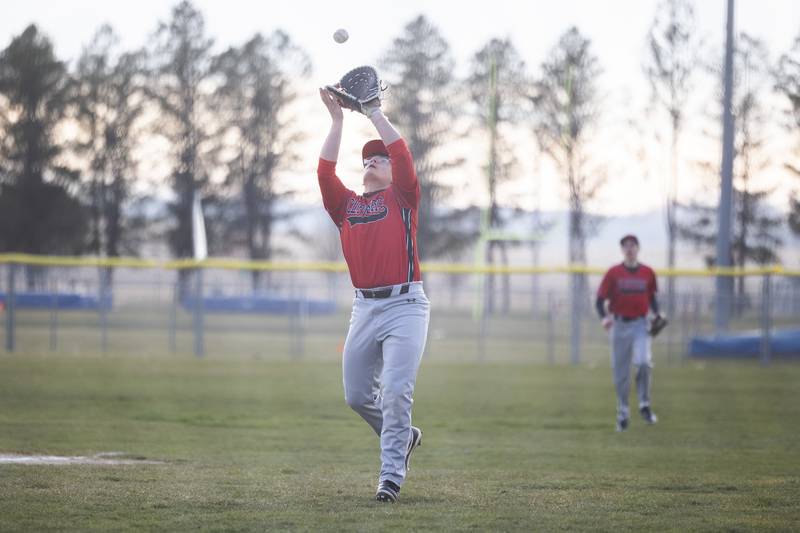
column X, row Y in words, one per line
column 359, row 90
column 657, row 323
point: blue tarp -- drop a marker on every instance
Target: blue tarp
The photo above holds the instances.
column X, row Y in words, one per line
column 53, row 300
column 261, row 304
column 783, row 343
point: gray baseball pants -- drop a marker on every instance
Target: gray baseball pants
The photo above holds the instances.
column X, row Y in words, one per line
column 630, row 342
column 382, row 354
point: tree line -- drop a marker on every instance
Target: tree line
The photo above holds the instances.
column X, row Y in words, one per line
column 70, row 161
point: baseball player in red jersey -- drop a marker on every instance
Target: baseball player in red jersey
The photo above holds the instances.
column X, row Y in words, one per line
column 389, row 322
column 630, row 289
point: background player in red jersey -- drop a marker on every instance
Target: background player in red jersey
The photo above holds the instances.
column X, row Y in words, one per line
column 389, row 322
column 630, row 289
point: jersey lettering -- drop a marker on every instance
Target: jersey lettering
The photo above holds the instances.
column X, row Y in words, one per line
column 359, row 212
column 631, row 285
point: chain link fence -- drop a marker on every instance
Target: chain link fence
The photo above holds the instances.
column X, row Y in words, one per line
column 284, row 311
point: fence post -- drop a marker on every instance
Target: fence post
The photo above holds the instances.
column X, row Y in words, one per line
column 103, row 275
column 296, row 311
column 483, row 332
column 576, row 297
column 684, row 312
column 10, row 305
column 766, row 320
column 302, row 315
column 696, row 326
column 671, row 307
column 54, row 317
column 293, row 314
column 199, row 341
column 173, row 316
column 551, row 328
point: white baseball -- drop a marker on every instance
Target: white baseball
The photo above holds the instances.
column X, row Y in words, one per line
column 340, row 35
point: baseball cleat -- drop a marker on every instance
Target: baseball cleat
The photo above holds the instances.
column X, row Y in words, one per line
column 416, row 440
column 388, row 491
column 622, row 425
column 648, row 415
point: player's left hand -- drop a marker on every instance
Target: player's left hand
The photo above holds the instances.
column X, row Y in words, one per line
column 332, row 103
column 658, row 323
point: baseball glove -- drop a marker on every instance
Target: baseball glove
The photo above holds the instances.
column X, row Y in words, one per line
column 359, row 90
column 657, row 323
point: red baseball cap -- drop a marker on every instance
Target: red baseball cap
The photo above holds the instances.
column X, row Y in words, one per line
column 629, row 237
column 374, row 147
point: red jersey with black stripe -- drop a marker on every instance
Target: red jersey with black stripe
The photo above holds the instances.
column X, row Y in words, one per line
column 629, row 291
column 379, row 229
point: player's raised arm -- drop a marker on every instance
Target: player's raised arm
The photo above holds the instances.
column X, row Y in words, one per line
column 404, row 176
column 330, row 148
column 386, row 129
column 334, row 193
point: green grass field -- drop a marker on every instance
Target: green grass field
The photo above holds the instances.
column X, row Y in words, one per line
column 266, row 445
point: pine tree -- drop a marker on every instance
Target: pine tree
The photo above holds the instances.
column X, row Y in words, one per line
column 788, row 84
column 109, row 101
column 181, row 74
column 254, row 94
column 39, row 212
column 670, row 66
column 756, row 231
column 498, row 85
column 566, row 111
column 424, row 104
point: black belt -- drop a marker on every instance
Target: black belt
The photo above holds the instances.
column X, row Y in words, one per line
column 382, row 293
column 628, row 318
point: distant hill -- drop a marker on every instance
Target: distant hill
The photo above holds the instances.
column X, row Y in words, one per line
column 602, row 249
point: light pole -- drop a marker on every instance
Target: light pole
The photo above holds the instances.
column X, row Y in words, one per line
column 725, row 283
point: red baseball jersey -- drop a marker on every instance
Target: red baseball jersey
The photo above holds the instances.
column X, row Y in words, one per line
column 378, row 229
column 629, row 291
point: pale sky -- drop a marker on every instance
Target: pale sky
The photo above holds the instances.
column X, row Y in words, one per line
column 617, row 29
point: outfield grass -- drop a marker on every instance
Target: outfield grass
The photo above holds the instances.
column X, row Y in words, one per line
column 262, row 445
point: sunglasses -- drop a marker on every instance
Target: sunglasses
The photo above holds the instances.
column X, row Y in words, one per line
column 376, row 158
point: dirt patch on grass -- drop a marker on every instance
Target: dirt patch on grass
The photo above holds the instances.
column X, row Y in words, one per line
column 106, row 458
